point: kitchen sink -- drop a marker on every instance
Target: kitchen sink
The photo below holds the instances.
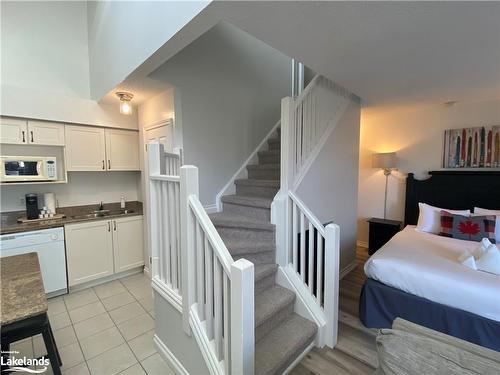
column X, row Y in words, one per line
column 103, row 213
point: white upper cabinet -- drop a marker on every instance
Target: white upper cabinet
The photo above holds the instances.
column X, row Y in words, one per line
column 122, row 150
column 13, row 131
column 85, row 148
column 45, row 133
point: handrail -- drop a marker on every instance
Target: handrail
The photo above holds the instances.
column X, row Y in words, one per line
column 164, row 177
column 310, row 216
column 307, row 90
column 214, row 238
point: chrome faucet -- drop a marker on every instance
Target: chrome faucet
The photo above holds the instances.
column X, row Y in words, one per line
column 101, row 206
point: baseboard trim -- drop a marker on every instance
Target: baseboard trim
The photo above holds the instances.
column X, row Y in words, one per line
column 298, row 359
column 362, row 244
column 169, row 357
column 347, row 269
column 171, row 296
column 211, row 208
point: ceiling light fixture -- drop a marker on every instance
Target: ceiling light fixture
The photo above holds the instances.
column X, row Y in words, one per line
column 125, row 105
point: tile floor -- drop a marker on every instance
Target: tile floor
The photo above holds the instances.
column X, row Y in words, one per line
column 104, row 330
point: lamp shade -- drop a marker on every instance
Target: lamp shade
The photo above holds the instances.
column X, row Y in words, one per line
column 385, row 160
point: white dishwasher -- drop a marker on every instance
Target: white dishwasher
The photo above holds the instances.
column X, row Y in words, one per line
column 49, row 244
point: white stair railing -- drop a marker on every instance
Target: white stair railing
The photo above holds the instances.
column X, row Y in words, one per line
column 164, row 221
column 218, row 300
column 310, row 117
column 307, row 251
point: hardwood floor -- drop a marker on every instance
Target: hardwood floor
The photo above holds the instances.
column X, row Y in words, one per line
column 355, row 352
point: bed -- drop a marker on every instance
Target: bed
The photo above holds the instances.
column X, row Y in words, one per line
column 416, row 276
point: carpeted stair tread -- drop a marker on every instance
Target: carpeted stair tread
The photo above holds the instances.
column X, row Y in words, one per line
column 258, row 183
column 263, row 167
column 279, row 348
column 247, row 201
column 274, row 140
column 223, row 219
column 246, row 246
column 269, row 153
column 262, row 271
column 270, row 301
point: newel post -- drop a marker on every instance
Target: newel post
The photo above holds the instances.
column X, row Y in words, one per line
column 154, row 154
column 189, row 187
column 283, row 212
column 242, row 318
column 332, row 263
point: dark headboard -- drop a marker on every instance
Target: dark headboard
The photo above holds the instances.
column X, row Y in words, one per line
column 456, row 190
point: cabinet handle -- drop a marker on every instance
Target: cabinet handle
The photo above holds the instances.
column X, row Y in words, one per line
column 109, row 226
column 103, row 165
column 114, row 223
column 31, row 132
column 109, row 164
column 24, row 138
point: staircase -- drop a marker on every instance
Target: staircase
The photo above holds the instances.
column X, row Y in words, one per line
column 244, row 226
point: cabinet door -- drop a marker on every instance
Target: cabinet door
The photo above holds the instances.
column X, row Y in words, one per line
column 128, row 243
column 85, row 148
column 89, row 251
column 13, row 131
column 122, row 150
column 45, row 133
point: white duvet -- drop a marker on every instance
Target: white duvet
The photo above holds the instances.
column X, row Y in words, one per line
column 426, row 265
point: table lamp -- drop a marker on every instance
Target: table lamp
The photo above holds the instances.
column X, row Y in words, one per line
column 387, row 162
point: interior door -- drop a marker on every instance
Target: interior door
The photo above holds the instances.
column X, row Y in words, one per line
column 159, row 134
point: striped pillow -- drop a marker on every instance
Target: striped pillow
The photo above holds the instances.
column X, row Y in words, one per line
column 470, row 228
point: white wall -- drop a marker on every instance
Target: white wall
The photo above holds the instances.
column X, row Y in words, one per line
column 82, row 188
column 329, row 188
column 45, row 65
column 123, row 34
column 416, row 135
column 228, row 86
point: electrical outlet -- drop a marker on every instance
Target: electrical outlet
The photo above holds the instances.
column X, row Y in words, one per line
column 22, row 201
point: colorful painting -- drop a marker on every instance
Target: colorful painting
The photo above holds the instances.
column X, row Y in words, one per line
column 472, row 147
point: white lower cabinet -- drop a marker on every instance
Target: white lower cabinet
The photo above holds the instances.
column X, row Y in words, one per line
column 128, row 243
column 98, row 249
column 89, row 251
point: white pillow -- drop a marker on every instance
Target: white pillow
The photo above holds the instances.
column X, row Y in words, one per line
column 429, row 217
column 484, row 211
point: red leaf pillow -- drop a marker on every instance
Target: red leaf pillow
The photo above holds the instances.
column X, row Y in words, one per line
column 470, row 228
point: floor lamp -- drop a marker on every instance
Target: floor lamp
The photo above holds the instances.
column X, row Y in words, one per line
column 387, row 162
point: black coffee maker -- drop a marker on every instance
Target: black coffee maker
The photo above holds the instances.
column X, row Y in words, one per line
column 31, row 206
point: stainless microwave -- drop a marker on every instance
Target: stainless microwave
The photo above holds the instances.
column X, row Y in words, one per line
column 28, row 168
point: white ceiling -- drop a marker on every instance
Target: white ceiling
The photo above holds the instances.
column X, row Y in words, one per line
column 389, row 54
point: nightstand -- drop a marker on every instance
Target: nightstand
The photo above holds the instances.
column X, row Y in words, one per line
column 381, row 231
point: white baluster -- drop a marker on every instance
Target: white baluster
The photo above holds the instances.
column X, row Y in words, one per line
column 302, row 247
column 209, row 282
column 189, row 186
column 319, row 268
column 200, row 281
column 295, row 233
column 310, row 256
column 218, row 307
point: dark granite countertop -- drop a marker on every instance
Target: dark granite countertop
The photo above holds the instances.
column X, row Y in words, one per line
column 74, row 214
column 23, row 295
